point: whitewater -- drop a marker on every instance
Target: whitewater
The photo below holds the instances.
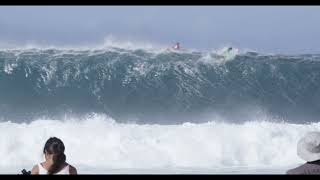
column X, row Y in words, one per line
column 98, row 144
column 150, row 110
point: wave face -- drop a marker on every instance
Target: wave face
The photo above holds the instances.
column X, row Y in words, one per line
column 164, row 86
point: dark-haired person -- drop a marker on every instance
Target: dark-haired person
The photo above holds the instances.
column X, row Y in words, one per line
column 55, row 159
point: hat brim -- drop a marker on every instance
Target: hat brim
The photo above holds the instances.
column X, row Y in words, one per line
column 304, row 153
column 307, row 155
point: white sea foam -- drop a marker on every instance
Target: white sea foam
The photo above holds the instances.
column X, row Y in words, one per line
column 97, row 144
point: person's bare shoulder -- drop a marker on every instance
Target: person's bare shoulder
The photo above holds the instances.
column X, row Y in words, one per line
column 35, row 169
column 72, row 170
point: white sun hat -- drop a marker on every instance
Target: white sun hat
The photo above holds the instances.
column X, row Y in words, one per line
column 309, row 147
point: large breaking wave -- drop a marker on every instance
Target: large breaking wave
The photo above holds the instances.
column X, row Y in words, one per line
column 199, row 110
column 158, row 86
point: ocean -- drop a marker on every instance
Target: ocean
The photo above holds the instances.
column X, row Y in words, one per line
column 151, row 110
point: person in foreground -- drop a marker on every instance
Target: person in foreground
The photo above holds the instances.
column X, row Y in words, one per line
column 309, row 150
column 55, row 159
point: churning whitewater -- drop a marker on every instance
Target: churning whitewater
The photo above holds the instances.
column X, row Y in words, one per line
column 98, row 144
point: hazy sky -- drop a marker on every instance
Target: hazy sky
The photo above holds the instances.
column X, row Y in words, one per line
column 284, row 29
